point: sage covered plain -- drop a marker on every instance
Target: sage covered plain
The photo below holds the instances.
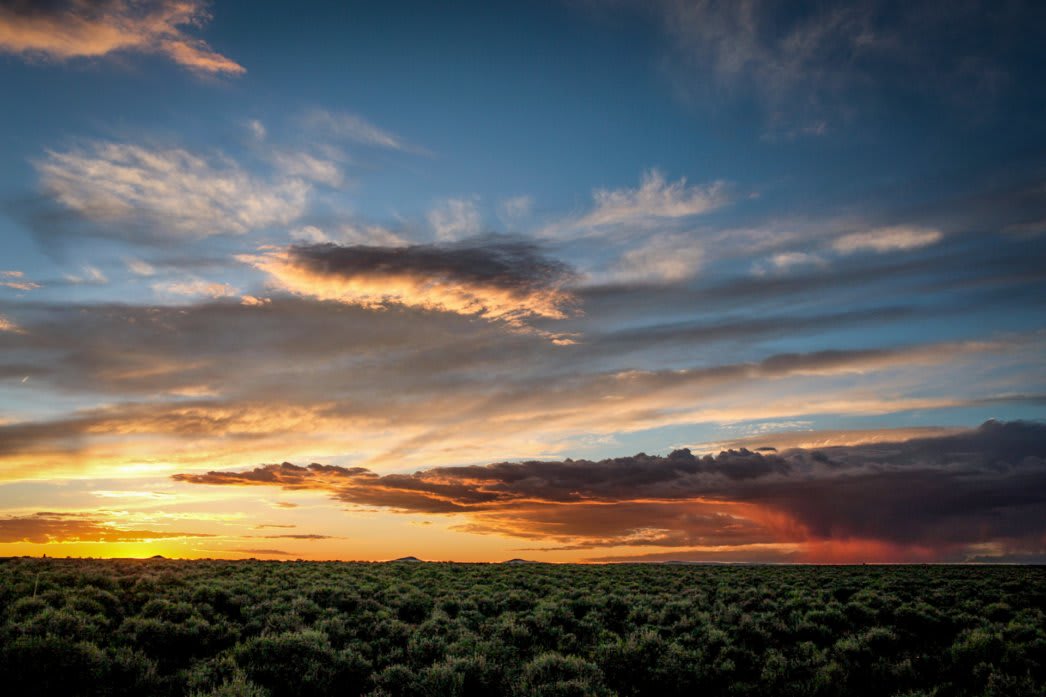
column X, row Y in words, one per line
column 167, row 627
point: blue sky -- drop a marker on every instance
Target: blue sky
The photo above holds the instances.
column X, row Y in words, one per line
column 402, row 236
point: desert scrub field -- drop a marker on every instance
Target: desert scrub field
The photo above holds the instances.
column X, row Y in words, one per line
column 165, row 627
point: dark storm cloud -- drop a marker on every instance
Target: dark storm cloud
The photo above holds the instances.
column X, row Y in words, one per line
column 986, row 485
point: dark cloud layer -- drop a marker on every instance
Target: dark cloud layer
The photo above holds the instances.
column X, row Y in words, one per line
column 981, row 487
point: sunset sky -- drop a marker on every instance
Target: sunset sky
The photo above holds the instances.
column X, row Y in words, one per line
column 577, row 280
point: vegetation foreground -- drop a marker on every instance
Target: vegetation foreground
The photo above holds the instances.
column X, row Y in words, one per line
column 164, row 627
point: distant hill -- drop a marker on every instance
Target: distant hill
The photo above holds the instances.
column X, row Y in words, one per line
column 519, row 561
column 407, row 559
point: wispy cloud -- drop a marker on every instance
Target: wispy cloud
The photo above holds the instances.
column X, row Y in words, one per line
column 348, row 234
column 195, row 288
column 455, row 219
column 782, row 262
column 309, row 167
column 661, row 259
column 89, row 275
column 515, row 208
column 656, row 199
column 139, row 267
column 69, row 29
column 812, row 65
column 887, row 239
column 16, row 280
column 354, row 127
column 171, row 191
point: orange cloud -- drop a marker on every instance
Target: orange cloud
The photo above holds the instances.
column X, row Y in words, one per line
column 44, row 528
column 89, row 29
column 16, row 280
column 7, row 325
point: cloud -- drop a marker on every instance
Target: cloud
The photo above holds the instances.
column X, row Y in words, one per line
column 408, row 386
column 44, row 528
column 309, row 167
column 947, row 494
column 171, row 191
column 349, row 234
column 297, row 536
column 257, row 129
column 810, row 65
column 196, row 288
column 263, row 552
column 750, row 41
column 455, row 219
column 139, row 267
column 515, row 208
column 7, row 325
column 16, row 280
column 68, row 29
column 662, row 259
column 355, row 128
column 90, row 275
column 493, row 278
column 887, row 239
column 654, row 201
column 785, row 261
column 809, row 439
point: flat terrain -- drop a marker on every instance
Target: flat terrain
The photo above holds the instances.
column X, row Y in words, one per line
column 163, row 627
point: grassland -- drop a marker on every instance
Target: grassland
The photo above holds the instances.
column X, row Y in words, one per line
column 164, row 627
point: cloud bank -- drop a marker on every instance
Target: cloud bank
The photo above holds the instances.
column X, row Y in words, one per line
column 934, row 498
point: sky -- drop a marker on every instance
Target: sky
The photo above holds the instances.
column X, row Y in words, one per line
column 565, row 280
